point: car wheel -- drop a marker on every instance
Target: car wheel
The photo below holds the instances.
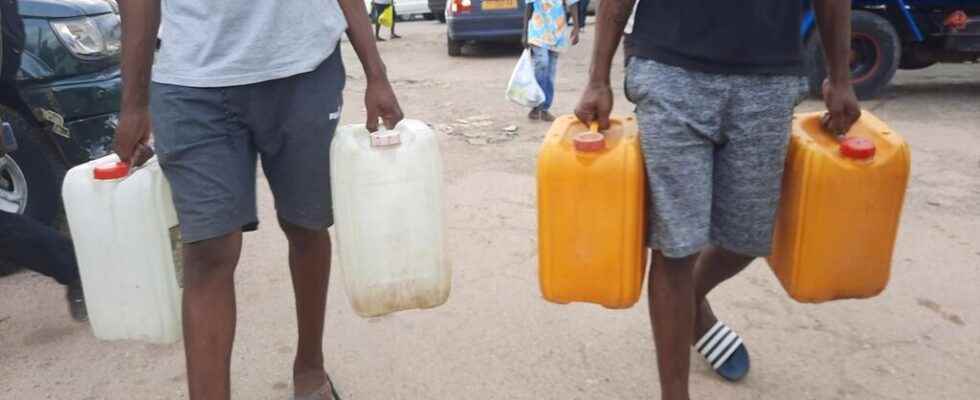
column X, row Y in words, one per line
column 455, row 47
column 28, row 183
column 875, row 54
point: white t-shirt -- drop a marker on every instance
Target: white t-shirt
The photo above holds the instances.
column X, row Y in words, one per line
column 219, row 43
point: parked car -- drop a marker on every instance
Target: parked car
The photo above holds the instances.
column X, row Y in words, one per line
column 408, row 9
column 59, row 93
column 483, row 21
column 438, row 9
column 888, row 35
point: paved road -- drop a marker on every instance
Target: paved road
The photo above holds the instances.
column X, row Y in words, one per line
column 496, row 338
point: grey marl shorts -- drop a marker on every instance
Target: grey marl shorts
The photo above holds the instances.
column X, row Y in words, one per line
column 208, row 141
column 714, row 147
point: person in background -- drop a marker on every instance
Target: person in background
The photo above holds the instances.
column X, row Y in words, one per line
column 37, row 247
column 546, row 34
column 583, row 12
column 714, row 116
column 378, row 7
column 233, row 81
column 25, row 242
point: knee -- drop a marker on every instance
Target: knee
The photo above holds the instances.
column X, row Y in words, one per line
column 211, row 261
column 729, row 258
column 303, row 238
column 673, row 267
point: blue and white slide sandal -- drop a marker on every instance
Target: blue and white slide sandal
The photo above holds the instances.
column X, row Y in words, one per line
column 724, row 351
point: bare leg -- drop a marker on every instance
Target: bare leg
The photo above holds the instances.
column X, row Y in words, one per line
column 671, row 298
column 394, row 20
column 714, row 266
column 309, row 266
column 377, row 31
column 209, row 314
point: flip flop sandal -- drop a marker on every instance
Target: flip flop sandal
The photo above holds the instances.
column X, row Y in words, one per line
column 725, row 352
column 317, row 395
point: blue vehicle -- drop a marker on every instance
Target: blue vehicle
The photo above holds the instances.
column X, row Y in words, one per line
column 888, row 35
column 483, row 21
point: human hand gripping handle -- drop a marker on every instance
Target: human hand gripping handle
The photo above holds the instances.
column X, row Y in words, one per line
column 597, row 99
column 834, row 23
column 380, row 102
column 379, row 97
column 595, row 105
column 132, row 137
column 843, row 109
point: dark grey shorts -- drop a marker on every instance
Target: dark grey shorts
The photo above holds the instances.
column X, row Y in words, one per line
column 714, row 147
column 208, row 141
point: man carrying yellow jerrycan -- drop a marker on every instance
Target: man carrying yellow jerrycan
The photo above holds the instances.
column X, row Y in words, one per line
column 714, row 84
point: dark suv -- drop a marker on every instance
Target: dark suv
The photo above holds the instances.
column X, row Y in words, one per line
column 59, row 91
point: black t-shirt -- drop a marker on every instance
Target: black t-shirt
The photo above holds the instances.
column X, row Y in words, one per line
column 721, row 36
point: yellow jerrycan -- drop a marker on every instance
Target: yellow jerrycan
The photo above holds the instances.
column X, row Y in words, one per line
column 839, row 212
column 591, row 192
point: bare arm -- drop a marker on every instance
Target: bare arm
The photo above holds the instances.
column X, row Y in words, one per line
column 140, row 24
column 379, row 98
column 575, row 24
column 597, row 101
column 834, row 22
column 528, row 11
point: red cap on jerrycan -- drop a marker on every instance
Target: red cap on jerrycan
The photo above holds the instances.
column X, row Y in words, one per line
column 591, row 141
column 857, row 148
column 110, row 171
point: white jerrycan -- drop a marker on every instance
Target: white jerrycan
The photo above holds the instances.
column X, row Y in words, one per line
column 125, row 232
column 388, row 215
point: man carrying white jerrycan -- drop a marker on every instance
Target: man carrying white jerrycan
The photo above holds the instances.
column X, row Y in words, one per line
column 235, row 80
column 714, row 100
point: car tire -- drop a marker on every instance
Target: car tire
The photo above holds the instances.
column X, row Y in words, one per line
column 455, row 47
column 876, row 51
column 28, row 175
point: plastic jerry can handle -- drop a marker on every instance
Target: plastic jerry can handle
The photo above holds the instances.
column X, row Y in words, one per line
column 385, row 138
column 591, row 141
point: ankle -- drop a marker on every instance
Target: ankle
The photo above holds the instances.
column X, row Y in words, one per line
column 304, row 364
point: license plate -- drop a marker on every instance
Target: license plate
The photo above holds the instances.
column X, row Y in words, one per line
column 499, row 4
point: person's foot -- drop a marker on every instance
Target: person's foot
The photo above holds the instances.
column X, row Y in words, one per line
column 76, row 301
column 722, row 348
column 534, row 115
column 394, row 36
column 379, row 39
column 547, row 117
column 312, row 384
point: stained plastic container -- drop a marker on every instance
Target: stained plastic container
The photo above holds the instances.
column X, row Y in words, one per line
column 839, row 213
column 591, row 205
column 124, row 228
column 388, row 215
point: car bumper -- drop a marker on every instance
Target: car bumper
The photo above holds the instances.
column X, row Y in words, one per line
column 485, row 28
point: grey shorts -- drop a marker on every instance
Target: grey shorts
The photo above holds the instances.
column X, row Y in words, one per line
column 714, row 147
column 208, row 141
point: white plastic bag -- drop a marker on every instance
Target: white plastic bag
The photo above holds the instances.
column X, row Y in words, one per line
column 523, row 88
